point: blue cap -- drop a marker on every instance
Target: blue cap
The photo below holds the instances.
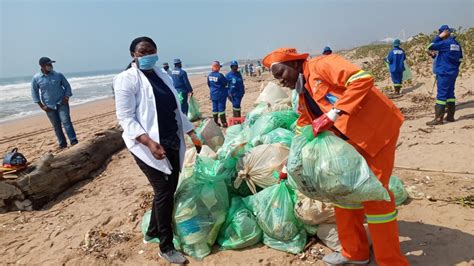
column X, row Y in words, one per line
column 445, row 27
column 327, row 49
column 177, row 61
column 45, row 61
column 396, row 42
column 234, row 63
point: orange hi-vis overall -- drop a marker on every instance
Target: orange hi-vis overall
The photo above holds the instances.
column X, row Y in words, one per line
column 372, row 124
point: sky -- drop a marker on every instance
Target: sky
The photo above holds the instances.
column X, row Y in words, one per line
column 86, row 35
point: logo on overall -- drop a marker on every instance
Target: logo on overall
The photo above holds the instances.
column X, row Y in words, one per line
column 397, row 52
column 454, row 47
column 213, row 79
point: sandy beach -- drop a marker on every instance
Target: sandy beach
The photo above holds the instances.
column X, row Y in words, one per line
column 434, row 230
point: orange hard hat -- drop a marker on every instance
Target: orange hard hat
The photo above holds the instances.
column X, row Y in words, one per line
column 282, row 55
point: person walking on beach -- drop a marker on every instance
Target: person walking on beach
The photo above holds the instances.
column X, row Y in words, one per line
column 166, row 68
column 337, row 95
column 51, row 91
column 236, row 87
column 396, row 65
column 217, row 84
column 448, row 56
column 182, row 84
column 147, row 108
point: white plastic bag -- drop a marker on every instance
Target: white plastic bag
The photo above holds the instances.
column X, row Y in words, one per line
column 313, row 212
column 257, row 166
column 271, row 94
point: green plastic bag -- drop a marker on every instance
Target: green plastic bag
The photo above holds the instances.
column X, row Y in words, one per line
column 271, row 121
column 329, row 169
column 279, row 135
column 407, row 72
column 193, row 112
column 240, row 229
column 398, row 189
column 295, row 245
column 294, row 100
column 273, row 208
column 201, row 204
column 255, row 113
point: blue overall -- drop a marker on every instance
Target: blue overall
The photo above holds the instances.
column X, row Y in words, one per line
column 395, row 60
column 183, row 86
column 236, row 89
column 446, row 67
column 217, row 84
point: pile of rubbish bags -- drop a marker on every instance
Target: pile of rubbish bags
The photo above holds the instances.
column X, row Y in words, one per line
column 230, row 193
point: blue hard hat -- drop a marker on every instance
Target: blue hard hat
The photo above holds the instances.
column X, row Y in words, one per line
column 177, row 61
column 396, row 42
column 445, row 27
column 234, row 63
column 327, row 49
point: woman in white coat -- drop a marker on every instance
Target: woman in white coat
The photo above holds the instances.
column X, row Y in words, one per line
column 153, row 125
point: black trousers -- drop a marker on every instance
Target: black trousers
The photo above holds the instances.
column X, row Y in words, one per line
column 164, row 187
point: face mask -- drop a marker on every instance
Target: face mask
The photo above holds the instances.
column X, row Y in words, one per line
column 300, row 84
column 49, row 68
column 147, row 62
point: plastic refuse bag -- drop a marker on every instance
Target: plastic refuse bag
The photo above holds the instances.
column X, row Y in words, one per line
column 255, row 113
column 210, row 134
column 201, row 204
column 271, row 94
column 257, row 166
column 398, row 189
column 294, row 100
column 273, row 208
column 271, row 121
column 313, row 212
column 240, row 229
column 328, row 169
column 407, row 72
column 295, row 245
column 327, row 233
column 232, row 132
column 279, row 135
column 281, row 105
column 193, row 112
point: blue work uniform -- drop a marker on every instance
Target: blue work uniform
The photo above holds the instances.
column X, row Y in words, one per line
column 183, row 86
column 235, row 85
column 218, row 86
column 446, row 67
column 396, row 63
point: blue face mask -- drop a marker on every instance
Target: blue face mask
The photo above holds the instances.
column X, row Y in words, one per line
column 147, row 62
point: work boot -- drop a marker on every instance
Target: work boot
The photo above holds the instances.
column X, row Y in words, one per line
column 397, row 89
column 223, row 121
column 216, row 119
column 439, row 114
column 451, row 109
column 173, row 256
column 336, row 258
column 236, row 113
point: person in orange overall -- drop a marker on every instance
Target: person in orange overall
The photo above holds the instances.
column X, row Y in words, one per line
column 337, row 95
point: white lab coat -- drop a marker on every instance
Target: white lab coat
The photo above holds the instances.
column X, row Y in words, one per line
column 136, row 113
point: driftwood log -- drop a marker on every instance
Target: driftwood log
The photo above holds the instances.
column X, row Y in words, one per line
column 52, row 175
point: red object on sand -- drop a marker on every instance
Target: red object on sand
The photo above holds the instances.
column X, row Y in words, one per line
column 236, row 120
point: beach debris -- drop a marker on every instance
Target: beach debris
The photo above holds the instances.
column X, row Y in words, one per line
column 96, row 241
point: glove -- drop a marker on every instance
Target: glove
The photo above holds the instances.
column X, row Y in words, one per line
column 197, row 143
column 325, row 122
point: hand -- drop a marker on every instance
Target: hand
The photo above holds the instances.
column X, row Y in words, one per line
column 324, row 122
column 196, row 141
column 65, row 100
column 444, row 34
column 157, row 150
column 45, row 108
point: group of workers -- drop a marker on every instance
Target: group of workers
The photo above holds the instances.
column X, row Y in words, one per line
column 334, row 95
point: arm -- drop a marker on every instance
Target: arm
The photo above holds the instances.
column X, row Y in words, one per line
column 186, row 82
column 66, row 86
column 35, row 94
column 438, row 44
column 341, row 73
column 389, row 58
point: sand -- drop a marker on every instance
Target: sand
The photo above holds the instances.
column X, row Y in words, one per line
column 107, row 209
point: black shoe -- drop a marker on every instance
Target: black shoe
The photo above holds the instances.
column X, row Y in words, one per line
column 439, row 115
column 223, row 121
column 173, row 256
column 216, row 119
column 451, row 109
column 74, row 142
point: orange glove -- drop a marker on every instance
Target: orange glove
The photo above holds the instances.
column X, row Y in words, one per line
column 197, row 142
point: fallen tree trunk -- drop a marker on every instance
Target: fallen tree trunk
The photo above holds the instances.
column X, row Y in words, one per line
column 52, row 175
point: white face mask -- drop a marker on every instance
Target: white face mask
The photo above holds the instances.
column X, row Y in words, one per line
column 49, row 68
